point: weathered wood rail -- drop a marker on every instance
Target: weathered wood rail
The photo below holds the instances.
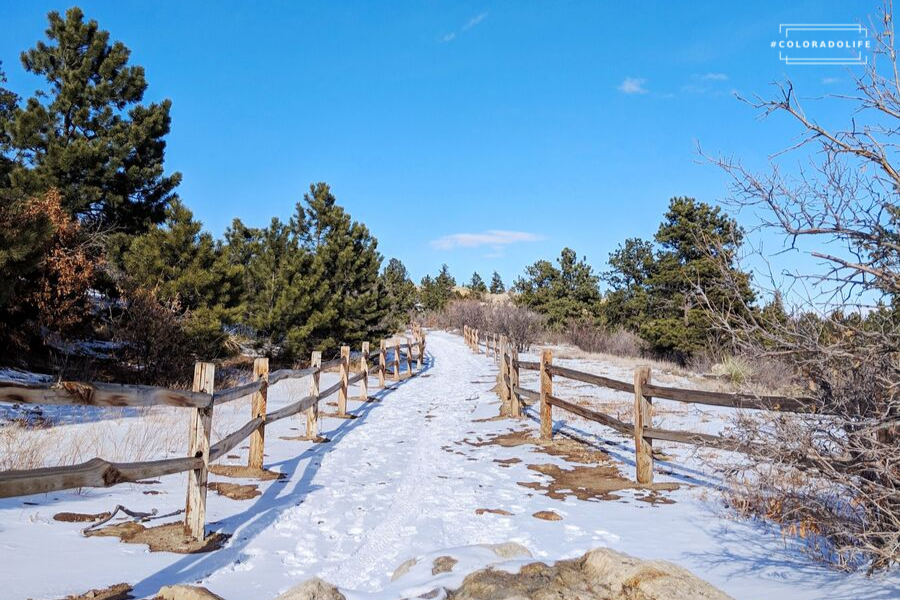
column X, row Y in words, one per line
column 513, row 396
column 202, row 401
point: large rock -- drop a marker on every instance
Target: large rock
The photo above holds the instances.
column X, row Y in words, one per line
column 601, row 574
column 186, row 592
column 312, row 589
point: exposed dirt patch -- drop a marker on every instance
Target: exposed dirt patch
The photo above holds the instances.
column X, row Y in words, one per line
column 235, row 491
column 170, row 537
column 119, row 591
column 243, row 472
column 304, row 438
column 547, row 515
column 489, row 419
column 443, row 564
column 493, row 511
column 72, row 517
column 505, row 462
column 595, row 482
column 348, row 416
column 151, row 493
column 593, row 476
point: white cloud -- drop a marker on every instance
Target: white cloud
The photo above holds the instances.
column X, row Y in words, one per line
column 474, row 21
column 633, row 85
column 449, row 37
column 714, row 77
column 494, row 238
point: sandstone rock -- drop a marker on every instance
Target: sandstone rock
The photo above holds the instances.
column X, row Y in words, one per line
column 186, row 592
column 403, row 569
column 313, row 589
column 443, row 564
column 601, row 574
column 509, row 550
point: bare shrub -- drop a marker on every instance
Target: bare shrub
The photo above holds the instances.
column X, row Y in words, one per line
column 837, row 476
column 523, row 327
column 590, row 338
column 154, row 341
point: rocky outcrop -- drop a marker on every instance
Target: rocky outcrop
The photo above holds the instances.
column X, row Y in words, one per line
column 186, row 592
column 313, row 589
column 601, row 574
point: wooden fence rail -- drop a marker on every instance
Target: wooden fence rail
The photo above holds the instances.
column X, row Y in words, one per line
column 202, row 400
column 644, row 391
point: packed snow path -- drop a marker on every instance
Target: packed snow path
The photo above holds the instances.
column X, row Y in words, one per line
column 398, row 482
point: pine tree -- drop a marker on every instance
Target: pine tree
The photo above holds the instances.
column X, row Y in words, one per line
column 497, row 286
column 477, row 288
column 435, row 293
column 87, row 134
column 398, row 294
column 179, row 262
column 570, row 292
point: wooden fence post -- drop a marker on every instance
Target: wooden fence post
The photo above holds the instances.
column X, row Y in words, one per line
column 496, row 345
column 345, row 375
column 643, row 416
column 515, row 405
column 312, row 413
column 364, row 369
column 546, row 392
column 466, row 334
column 382, row 363
column 475, row 342
column 396, row 360
column 258, row 409
column 198, row 446
column 504, row 377
column 420, row 339
column 409, row 356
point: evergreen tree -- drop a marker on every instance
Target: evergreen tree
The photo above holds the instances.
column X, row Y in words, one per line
column 477, row 287
column 497, row 286
column 436, row 293
column 398, row 294
column 87, row 134
column 312, row 283
column 628, row 301
column 180, row 263
column 656, row 293
column 562, row 294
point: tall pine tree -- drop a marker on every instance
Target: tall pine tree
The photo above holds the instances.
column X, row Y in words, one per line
column 87, row 133
column 497, row 286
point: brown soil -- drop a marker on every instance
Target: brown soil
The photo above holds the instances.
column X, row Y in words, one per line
column 305, row 438
column 243, row 472
column 588, row 482
column 170, row 537
column 443, row 564
column 337, row 416
column 593, row 476
column 235, row 491
column 505, row 462
column 71, row 517
column 493, row 511
column 119, row 591
column 547, row 515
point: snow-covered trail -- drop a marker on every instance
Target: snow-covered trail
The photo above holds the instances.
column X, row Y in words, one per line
column 397, row 482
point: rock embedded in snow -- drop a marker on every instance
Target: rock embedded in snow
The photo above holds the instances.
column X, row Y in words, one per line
column 313, row 589
column 509, row 550
column 186, row 592
column 601, row 574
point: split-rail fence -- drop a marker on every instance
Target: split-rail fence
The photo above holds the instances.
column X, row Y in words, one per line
column 201, row 401
column 513, row 397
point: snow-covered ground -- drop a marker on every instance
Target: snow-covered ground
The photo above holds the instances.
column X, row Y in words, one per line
column 404, row 480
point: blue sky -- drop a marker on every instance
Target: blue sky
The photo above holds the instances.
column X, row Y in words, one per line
column 485, row 134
